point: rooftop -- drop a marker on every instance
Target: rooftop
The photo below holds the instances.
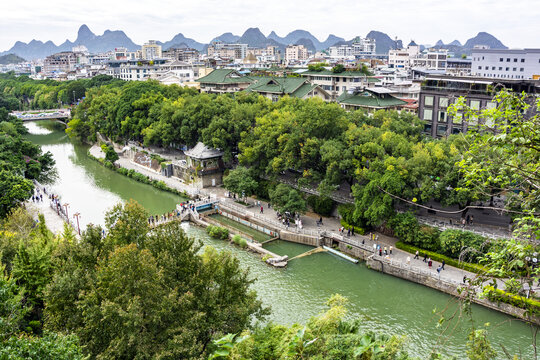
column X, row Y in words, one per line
column 201, row 152
column 224, row 76
column 369, row 98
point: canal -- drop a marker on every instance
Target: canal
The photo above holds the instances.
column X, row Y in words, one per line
column 382, row 302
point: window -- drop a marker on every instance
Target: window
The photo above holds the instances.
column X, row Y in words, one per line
column 428, row 101
column 428, row 114
column 443, row 102
column 487, row 67
column 475, row 104
column 441, row 130
column 473, row 120
column 507, row 68
column 442, row 116
column 507, row 59
column 501, row 59
column 479, row 68
column 491, row 105
column 515, row 60
column 522, row 60
column 500, row 68
column 458, row 118
column 521, row 69
column 493, row 68
column 514, row 69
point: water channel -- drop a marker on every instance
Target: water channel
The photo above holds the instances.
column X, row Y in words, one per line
column 382, row 302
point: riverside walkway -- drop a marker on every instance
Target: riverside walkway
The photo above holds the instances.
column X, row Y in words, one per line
column 329, row 227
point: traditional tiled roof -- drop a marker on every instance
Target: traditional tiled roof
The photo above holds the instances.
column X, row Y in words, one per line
column 276, row 85
column 201, row 152
column 224, row 76
column 370, row 99
column 303, row 90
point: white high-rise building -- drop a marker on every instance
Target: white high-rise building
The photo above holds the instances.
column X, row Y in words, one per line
column 360, row 47
column 506, row 64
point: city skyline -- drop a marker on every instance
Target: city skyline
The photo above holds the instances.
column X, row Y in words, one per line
column 512, row 23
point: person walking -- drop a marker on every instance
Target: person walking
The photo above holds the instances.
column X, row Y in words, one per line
column 349, row 232
column 391, row 250
column 439, row 270
column 261, row 209
column 425, row 257
column 442, row 265
column 429, row 263
column 352, row 230
column 416, row 254
column 472, row 219
column 385, row 251
column 380, row 251
column 408, row 260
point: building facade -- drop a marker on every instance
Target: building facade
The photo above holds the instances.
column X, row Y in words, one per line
column 360, row 47
column 506, row 64
column 151, row 50
column 296, row 53
column 218, row 49
column 337, row 83
column 439, row 92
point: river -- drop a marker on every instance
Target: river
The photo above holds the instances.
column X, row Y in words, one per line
column 383, row 303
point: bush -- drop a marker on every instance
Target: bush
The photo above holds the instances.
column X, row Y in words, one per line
column 357, row 230
column 497, row 295
column 475, row 268
column 218, row 232
column 321, row 205
column 236, row 239
column 346, row 211
column 243, row 243
column 452, row 242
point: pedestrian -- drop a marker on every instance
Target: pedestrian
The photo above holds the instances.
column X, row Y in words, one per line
column 363, row 241
column 416, row 255
column 429, row 263
column 349, row 232
column 320, row 220
column 464, row 279
column 261, row 209
column 385, row 251
column 439, row 269
column 375, row 249
column 380, row 252
column 352, row 230
column 472, row 219
column 408, row 260
column 391, row 250
column 468, row 219
column 425, row 257
column 463, row 222
column 443, row 263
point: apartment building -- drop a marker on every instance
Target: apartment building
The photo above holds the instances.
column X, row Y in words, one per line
column 360, row 47
column 151, row 50
column 188, row 55
column 295, row 54
column 431, row 59
column 506, row 63
column 337, row 83
column 439, row 92
column 218, row 49
column 65, row 61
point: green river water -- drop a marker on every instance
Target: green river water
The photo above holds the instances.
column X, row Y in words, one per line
column 384, row 303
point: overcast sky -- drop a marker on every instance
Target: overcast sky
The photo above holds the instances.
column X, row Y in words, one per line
column 516, row 23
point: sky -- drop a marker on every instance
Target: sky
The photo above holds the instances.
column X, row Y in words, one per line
column 516, row 23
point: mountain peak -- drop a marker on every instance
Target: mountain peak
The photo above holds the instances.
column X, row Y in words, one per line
column 484, row 38
column 439, row 43
column 84, row 32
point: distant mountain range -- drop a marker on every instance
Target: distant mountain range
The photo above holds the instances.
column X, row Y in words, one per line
column 36, row 49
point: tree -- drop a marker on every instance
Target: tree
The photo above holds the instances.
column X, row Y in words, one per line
column 127, row 223
column 286, row 199
column 339, row 68
column 239, row 181
column 316, row 67
column 15, row 189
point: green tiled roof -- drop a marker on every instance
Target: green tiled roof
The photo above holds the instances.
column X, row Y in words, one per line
column 303, row 90
column 277, row 85
column 370, row 99
column 224, row 76
column 342, row 74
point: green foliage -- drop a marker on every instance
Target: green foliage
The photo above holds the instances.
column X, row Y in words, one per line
column 339, row 68
column 326, row 336
column 322, row 205
column 50, row 346
column 218, row 232
column 474, row 268
column 316, row 67
column 479, row 347
column 497, row 295
column 357, row 230
column 240, row 181
column 284, row 198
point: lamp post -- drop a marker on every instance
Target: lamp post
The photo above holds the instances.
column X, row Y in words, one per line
column 76, row 215
column 73, row 97
column 66, row 206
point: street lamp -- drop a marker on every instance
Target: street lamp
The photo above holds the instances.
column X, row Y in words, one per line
column 77, row 215
column 73, row 97
column 66, row 206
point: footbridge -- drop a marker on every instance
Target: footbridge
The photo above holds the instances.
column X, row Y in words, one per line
column 51, row 114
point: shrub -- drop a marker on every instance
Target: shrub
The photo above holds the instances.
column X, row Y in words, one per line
column 322, row 205
column 452, row 242
column 497, row 295
column 243, row 243
column 357, row 230
column 346, row 211
column 236, row 239
column 475, row 268
column 218, row 232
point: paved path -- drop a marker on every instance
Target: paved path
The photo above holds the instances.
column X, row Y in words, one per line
column 54, row 222
column 309, row 221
